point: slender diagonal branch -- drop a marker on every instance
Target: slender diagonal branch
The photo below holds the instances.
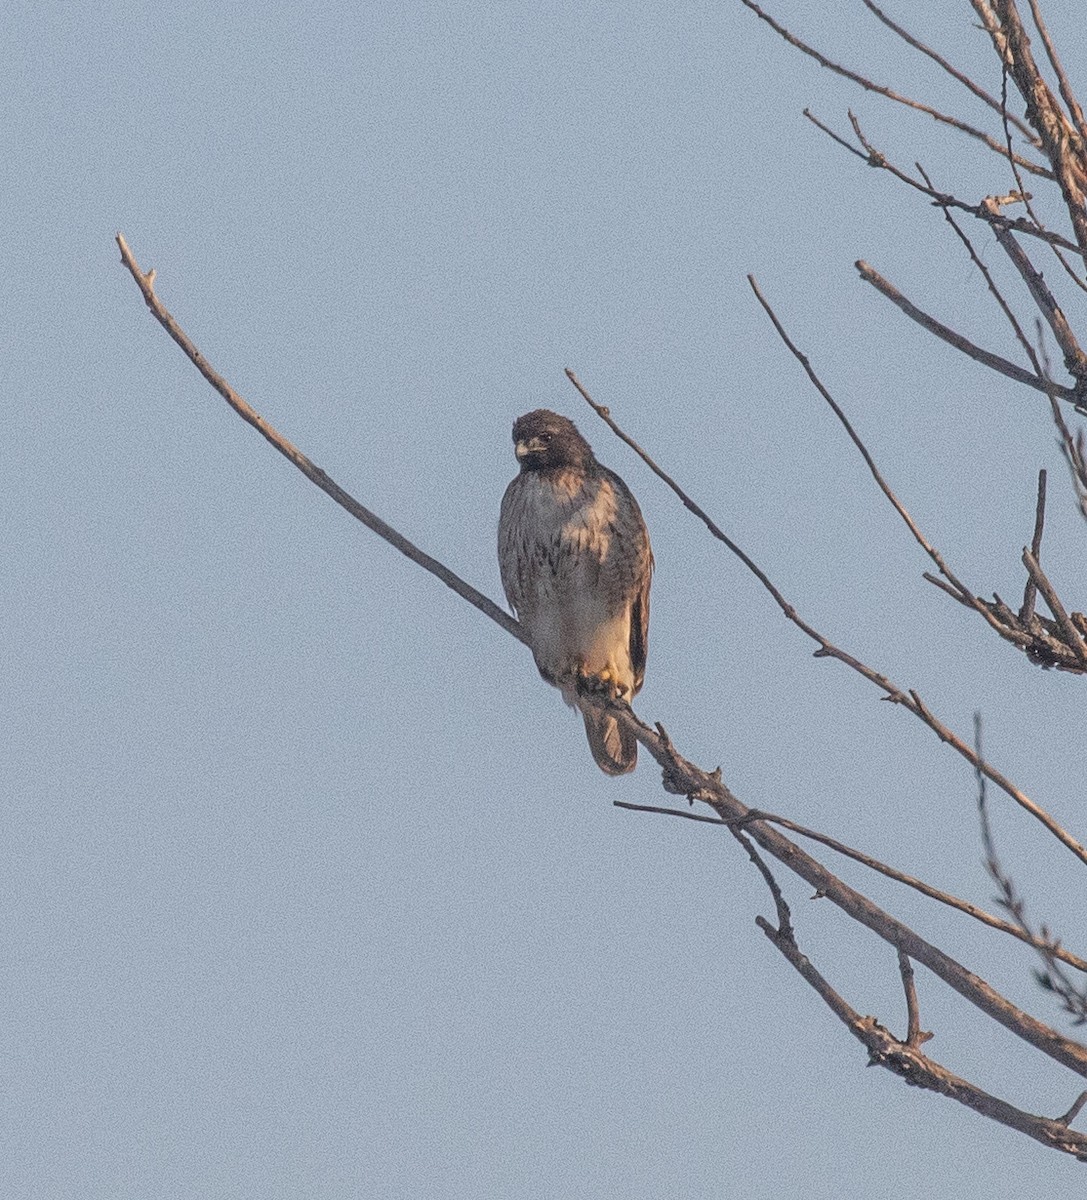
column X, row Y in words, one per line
column 1061, row 140
column 876, row 158
column 946, row 334
column 880, row 90
column 963, row 591
column 915, row 1035
column 944, row 65
column 1067, row 94
column 312, row 472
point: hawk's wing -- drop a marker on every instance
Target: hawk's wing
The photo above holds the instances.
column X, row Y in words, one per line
column 637, row 573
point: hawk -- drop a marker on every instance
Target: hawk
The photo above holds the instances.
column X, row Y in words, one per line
column 576, row 564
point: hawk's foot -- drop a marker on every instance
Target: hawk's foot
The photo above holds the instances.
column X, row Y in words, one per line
column 602, row 683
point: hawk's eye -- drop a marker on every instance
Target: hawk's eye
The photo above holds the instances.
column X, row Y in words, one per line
column 545, row 438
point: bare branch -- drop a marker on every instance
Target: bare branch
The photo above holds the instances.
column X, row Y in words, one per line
column 1075, row 360
column 955, row 74
column 962, row 127
column 1067, row 94
column 1062, row 142
column 885, row 1050
column 1074, row 450
column 785, row 920
column 992, row 205
column 1068, row 1117
column 312, row 472
column 964, row 592
column 1070, row 634
column 1035, row 222
column 1053, row 977
column 683, row 777
column 946, row 334
column 873, row 864
column 1031, row 228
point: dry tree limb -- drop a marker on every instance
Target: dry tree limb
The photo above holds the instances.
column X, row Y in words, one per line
column 946, row 334
column 312, row 472
column 954, row 582
column 683, row 777
column 1030, row 590
column 1075, row 360
column 1068, row 1117
column 880, row 90
column 1062, row 143
column 1069, row 634
column 915, row 1035
column 1074, row 450
column 992, row 204
column 908, row 1061
column 955, row 74
column 707, row 788
column 1045, row 643
column 1067, row 94
column 876, row 158
column 785, row 917
column 1035, row 220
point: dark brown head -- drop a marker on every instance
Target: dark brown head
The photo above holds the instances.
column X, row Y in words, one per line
column 545, row 441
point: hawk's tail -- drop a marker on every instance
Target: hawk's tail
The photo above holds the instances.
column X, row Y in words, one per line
column 615, row 749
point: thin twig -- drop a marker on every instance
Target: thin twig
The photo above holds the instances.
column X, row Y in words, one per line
column 1053, row 977
column 1061, row 141
column 1035, row 220
column 1030, row 591
column 915, row 1036
column 993, row 203
column 964, row 592
column 1075, row 360
column 1060, row 613
column 1068, row 1117
column 876, row 158
column 873, row 864
column 785, row 918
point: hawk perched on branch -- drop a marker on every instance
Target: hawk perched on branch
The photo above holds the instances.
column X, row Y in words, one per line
column 576, row 564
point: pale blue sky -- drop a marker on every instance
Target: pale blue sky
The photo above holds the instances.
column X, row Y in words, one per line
column 311, row 887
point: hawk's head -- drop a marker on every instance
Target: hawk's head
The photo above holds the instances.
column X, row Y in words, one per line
column 545, row 441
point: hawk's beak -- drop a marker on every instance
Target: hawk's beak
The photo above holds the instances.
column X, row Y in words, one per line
column 522, row 449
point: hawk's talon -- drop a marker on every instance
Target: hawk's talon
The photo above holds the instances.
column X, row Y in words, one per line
column 602, row 684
